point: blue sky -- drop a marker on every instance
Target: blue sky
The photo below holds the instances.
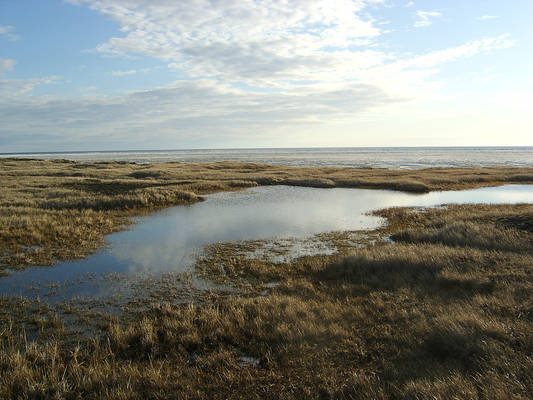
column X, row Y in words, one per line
column 162, row 74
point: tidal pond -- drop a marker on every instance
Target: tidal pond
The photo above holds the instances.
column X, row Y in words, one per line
column 167, row 242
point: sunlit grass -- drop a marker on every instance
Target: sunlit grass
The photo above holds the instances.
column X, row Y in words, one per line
column 443, row 313
column 57, row 210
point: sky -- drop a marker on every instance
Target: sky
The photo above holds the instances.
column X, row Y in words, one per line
column 85, row 75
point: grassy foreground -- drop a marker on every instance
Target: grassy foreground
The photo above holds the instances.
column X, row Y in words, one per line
column 443, row 313
column 58, row 210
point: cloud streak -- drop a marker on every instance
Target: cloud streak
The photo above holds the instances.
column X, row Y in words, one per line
column 426, row 18
column 11, row 89
column 6, row 31
column 183, row 110
column 129, row 72
column 6, row 64
column 468, row 49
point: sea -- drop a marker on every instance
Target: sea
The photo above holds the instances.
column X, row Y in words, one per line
column 360, row 157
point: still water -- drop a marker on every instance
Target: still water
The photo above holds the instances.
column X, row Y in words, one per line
column 169, row 240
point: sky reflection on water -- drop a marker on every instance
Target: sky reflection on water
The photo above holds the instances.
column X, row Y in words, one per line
column 167, row 241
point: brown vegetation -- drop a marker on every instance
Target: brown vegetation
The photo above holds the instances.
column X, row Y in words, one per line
column 444, row 313
column 57, row 210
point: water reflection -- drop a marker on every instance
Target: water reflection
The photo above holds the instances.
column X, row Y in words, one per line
column 168, row 240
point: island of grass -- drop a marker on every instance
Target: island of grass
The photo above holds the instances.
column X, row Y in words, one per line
column 443, row 312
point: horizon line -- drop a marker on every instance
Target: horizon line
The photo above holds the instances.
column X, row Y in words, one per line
column 260, row 148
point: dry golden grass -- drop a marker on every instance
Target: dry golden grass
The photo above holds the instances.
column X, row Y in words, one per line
column 57, row 210
column 445, row 313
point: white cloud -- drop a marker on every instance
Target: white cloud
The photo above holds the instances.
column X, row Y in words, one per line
column 6, row 31
column 13, row 88
column 129, row 72
column 255, row 41
column 249, row 68
column 208, row 108
column 469, row 49
column 182, row 110
column 6, row 64
column 485, row 17
column 268, row 44
column 413, row 77
column 425, row 18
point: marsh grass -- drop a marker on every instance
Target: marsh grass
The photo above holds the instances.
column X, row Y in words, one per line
column 445, row 312
column 60, row 210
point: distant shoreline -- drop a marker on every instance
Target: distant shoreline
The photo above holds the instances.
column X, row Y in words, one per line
column 272, row 148
column 352, row 157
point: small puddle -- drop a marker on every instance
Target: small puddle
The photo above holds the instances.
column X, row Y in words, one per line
column 169, row 241
column 268, row 287
column 246, row 361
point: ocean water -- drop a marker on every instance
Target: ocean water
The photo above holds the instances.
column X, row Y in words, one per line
column 362, row 157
